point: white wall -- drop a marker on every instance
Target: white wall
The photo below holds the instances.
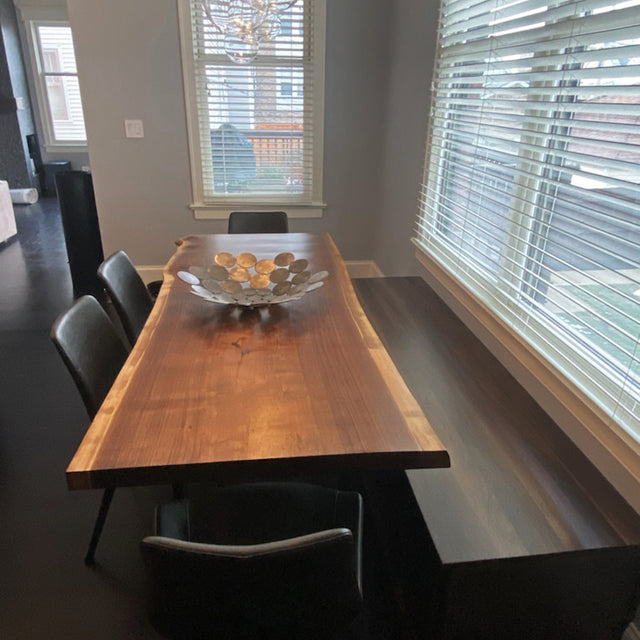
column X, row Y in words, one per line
column 129, row 66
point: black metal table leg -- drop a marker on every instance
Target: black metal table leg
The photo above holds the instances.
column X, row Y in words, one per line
column 107, row 496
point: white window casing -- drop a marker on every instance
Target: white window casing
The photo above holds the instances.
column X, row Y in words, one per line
column 530, row 203
column 255, row 130
column 53, row 65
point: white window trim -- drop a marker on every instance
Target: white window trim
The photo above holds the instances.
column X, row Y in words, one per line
column 33, row 17
column 610, row 449
column 222, row 211
column 216, row 211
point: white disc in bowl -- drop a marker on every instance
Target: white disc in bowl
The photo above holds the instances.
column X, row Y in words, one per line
column 187, row 277
column 316, row 277
column 314, row 286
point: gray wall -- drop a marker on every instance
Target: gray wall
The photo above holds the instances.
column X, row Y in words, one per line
column 411, row 49
column 143, row 186
column 15, row 124
column 378, row 68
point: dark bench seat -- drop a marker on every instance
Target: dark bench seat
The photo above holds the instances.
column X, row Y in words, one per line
column 522, row 537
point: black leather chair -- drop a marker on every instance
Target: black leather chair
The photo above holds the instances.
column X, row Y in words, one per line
column 128, row 293
column 258, row 222
column 94, row 353
column 267, row 560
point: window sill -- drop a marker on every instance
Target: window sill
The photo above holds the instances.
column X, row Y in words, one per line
column 65, row 148
column 608, row 447
column 222, row 211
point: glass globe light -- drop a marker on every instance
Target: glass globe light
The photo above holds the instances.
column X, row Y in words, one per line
column 245, row 24
column 270, row 29
column 282, row 5
column 217, row 12
column 241, row 50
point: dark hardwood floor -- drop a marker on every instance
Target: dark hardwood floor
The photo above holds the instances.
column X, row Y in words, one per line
column 45, row 589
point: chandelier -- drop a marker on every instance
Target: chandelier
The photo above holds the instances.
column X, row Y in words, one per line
column 245, row 24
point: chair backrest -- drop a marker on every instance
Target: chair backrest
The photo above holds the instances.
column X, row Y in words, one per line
column 284, row 562
column 128, row 293
column 91, row 348
column 258, row 222
column 304, row 587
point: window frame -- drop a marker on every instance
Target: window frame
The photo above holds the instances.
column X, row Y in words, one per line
column 32, row 21
column 220, row 208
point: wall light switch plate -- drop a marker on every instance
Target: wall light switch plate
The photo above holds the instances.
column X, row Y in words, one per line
column 133, row 129
column 20, row 104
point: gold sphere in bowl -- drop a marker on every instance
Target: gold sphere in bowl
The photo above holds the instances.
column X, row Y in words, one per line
column 259, row 281
column 265, row 266
column 246, row 260
column 225, row 259
column 239, row 274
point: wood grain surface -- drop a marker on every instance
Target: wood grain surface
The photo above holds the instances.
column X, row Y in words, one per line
column 517, row 484
column 217, row 391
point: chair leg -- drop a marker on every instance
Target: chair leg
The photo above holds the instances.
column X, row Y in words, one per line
column 107, row 496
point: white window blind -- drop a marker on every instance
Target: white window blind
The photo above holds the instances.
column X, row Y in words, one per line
column 256, row 122
column 531, row 194
column 58, row 89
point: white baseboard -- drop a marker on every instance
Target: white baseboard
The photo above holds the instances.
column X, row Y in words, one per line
column 356, row 269
column 150, row 273
column 632, row 632
column 363, row 269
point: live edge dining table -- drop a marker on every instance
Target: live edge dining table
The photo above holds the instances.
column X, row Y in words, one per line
column 214, row 391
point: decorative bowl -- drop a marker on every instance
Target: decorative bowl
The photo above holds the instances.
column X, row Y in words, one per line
column 249, row 281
